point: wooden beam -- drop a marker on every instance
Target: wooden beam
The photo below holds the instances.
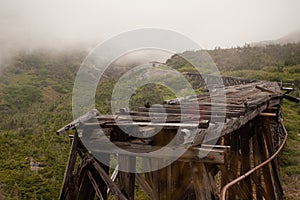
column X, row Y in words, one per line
column 95, row 185
column 182, row 184
column 145, row 186
column 290, row 98
column 245, row 137
column 79, row 176
column 126, row 179
column 266, row 169
column 136, row 116
column 257, row 176
column 112, row 186
column 193, row 111
column 201, row 182
column 273, row 168
column 66, row 186
column 264, row 89
column 234, row 164
column 86, row 191
column 267, row 114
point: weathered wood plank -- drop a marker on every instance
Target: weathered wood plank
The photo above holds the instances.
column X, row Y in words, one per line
column 201, row 182
column 166, row 125
column 112, row 186
column 79, row 176
column 126, row 180
column 136, row 116
column 266, row 169
column 273, row 169
column 182, row 184
column 257, row 176
column 66, row 186
column 145, row 186
column 95, row 185
column 86, row 191
column 194, row 111
column 245, row 135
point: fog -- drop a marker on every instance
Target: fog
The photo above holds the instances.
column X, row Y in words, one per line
column 32, row 24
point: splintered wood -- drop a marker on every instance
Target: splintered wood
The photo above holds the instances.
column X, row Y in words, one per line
column 215, row 134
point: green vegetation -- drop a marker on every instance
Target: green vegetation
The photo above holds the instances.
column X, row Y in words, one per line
column 289, row 159
column 33, row 108
column 35, row 100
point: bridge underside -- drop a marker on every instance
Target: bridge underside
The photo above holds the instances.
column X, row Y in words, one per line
column 222, row 140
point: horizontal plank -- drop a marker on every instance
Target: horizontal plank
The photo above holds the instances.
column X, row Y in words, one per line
column 196, row 124
column 196, row 154
column 268, row 114
column 192, row 111
column 135, row 116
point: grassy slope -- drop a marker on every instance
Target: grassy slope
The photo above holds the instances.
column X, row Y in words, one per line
column 35, row 102
column 290, row 158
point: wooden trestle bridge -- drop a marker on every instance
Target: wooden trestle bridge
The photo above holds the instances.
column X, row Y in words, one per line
column 238, row 163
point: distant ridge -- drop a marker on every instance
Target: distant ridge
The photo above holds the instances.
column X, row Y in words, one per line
column 293, row 37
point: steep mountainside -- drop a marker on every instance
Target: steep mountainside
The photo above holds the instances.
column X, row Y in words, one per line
column 34, row 101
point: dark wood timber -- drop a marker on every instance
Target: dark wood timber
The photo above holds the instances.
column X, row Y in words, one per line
column 222, row 135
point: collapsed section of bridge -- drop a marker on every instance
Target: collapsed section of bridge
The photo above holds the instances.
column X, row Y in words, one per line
column 225, row 149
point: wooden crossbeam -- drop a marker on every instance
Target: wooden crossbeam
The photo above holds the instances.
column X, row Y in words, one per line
column 194, row 111
column 138, row 116
column 146, row 187
column 113, row 187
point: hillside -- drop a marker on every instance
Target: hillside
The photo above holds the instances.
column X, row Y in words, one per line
column 244, row 58
column 35, row 100
column 293, row 37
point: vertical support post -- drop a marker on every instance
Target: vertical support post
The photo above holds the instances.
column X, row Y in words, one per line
column 234, row 163
column 102, row 186
column 86, row 191
column 257, row 160
column 268, row 136
column 201, row 182
column 266, row 169
column 162, row 178
column 181, row 179
column 127, row 179
column 223, row 168
column 67, row 185
column 245, row 161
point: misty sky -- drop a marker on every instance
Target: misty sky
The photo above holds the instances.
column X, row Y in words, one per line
column 225, row 23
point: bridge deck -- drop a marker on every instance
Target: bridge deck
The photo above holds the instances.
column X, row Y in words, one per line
column 235, row 133
column 202, row 114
